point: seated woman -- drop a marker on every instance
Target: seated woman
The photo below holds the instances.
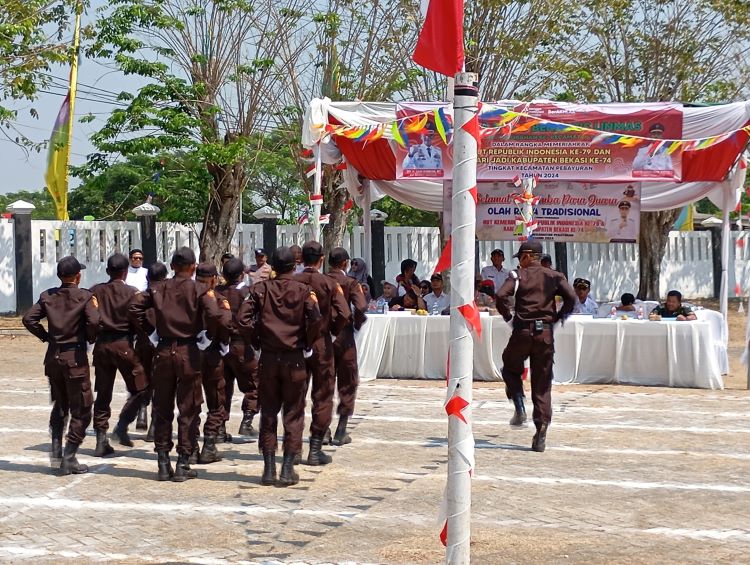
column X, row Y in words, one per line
column 407, row 279
column 425, row 288
column 409, row 301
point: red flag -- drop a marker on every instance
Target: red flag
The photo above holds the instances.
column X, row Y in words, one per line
column 440, row 46
column 444, row 263
column 348, row 205
column 444, row 534
column 455, row 407
column 473, row 192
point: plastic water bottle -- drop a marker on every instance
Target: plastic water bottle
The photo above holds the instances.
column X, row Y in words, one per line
column 640, row 312
column 435, row 311
column 613, row 313
column 381, row 305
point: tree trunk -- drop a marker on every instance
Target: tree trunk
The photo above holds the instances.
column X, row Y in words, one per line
column 335, row 196
column 654, row 235
column 220, row 221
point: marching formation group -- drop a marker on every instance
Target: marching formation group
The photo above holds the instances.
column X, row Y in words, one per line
column 193, row 335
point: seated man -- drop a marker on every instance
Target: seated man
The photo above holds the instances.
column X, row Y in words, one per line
column 673, row 308
column 410, row 300
column 437, row 299
column 495, row 271
column 585, row 304
column 627, row 303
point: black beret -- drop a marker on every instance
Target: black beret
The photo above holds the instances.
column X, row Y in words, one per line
column 282, row 260
column 531, row 246
column 183, row 256
column 206, row 270
column 233, row 268
column 69, row 266
column 118, row 262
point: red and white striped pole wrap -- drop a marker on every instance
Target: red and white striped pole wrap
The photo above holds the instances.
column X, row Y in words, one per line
column 464, row 317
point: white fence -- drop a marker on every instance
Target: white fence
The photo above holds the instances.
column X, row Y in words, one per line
column 613, row 269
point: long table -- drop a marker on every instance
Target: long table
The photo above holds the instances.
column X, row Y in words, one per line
column 587, row 350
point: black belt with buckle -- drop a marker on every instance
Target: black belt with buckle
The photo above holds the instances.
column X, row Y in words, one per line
column 68, row 346
column 532, row 326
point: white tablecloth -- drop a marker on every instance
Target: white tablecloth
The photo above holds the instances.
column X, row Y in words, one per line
column 587, row 350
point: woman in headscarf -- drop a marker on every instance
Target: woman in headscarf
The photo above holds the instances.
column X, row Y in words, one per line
column 359, row 272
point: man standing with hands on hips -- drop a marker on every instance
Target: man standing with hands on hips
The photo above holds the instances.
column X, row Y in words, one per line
column 534, row 288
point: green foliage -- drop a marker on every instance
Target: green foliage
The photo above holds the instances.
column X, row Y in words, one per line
column 31, row 41
column 403, row 215
column 45, row 207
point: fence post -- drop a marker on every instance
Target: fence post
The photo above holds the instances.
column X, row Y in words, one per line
column 21, row 211
column 561, row 257
column 269, row 218
column 377, row 221
column 716, row 257
column 146, row 214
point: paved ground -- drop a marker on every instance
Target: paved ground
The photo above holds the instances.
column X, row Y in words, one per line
column 631, row 475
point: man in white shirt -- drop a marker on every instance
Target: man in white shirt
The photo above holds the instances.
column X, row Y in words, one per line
column 495, row 272
column 585, row 304
column 137, row 273
column 437, row 298
column 659, row 161
column 623, row 227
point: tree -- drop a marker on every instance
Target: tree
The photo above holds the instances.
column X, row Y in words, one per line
column 215, row 71
column 645, row 50
column 45, row 207
column 30, row 43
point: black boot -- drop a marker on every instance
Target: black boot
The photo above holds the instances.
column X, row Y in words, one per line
column 223, row 436
column 209, row 454
column 246, row 427
column 69, row 464
column 317, row 456
column 297, row 458
column 194, row 455
column 102, row 444
column 150, row 432
column 540, row 438
column 519, row 416
column 182, row 471
column 121, row 434
column 341, row 437
column 327, row 437
column 165, row 466
column 288, row 476
column 56, row 449
column 141, row 422
column 269, row 469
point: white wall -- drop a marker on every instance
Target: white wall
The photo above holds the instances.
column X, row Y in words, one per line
column 7, row 267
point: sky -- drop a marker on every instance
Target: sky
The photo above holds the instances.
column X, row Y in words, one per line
column 97, row 83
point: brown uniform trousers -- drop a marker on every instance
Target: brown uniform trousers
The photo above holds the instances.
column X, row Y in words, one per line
column 282, row 388
column 67, row 369
column 110, row 357
column 347, row 371
column 241, row 366
column 321, row 366
column 525, row 342
column 145, row 352
column 214, row 389
column 176, row 375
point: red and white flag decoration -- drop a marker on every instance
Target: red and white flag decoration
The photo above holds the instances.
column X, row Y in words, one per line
column 310, row 171
column 440, row 46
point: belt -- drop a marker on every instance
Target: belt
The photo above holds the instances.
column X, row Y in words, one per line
column 108, row 337
column 68, row 346
column 518, row 325
column 177, row 341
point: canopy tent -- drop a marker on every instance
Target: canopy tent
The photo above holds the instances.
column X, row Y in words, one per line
column 714, row 172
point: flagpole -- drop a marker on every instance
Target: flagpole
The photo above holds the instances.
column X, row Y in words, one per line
column 72, row 91
column 317, row 200
column 460, row 436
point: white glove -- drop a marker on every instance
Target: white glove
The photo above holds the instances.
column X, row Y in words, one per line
column 202, row 340
column 90, row 347
column 333, row 338
column 307, row 353
column 154, row 338
column 223, row 349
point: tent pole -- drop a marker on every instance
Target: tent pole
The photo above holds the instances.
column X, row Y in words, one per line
column 460, row 438
column 317, row 202
column 367, row 225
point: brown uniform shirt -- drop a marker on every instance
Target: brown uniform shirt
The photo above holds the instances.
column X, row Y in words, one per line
column 114, row 298
column 179, row 306
column 334, row 308
column 72, row 316
column 353, row 295
column 535, row 297
column 235, row 296
column 282, row 314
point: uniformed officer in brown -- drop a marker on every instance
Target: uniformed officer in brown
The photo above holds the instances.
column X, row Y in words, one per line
column 240, row 364
column 345, row 348
column 72, row 320
column 532, row 337
column 180, row 306
column 282, row 313
column 335, row 312
column 212, row 372
column 114, row 352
